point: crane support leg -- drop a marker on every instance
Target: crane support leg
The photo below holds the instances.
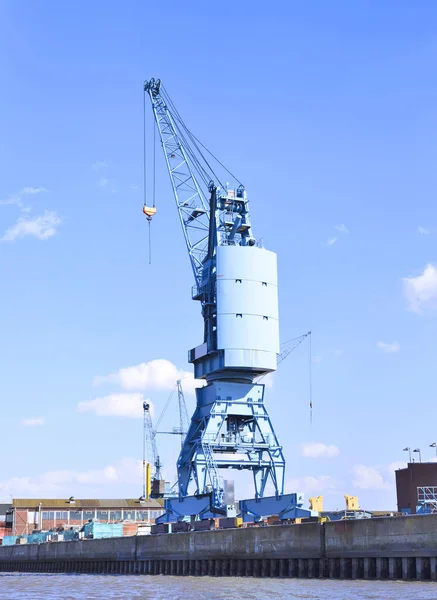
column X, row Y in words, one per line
column 289, row 506
column 230, row 429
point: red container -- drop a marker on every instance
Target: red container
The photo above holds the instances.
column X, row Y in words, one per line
column 130, row 529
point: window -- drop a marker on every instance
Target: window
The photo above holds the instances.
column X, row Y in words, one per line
column 45, row 515
column 103, row 515
column 115, row 515
column 142, row 515
column 154, row 514
column 88, row 514
column 129, row 515
column 61, row 515
column 51, row 516
column 75, row 515
column 31, row 516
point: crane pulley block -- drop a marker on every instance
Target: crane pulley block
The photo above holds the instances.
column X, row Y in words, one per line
column 149, row 211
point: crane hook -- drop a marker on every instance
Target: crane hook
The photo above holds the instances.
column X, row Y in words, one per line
column 149, row 211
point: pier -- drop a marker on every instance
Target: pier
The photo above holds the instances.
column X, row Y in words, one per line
column 380, row 548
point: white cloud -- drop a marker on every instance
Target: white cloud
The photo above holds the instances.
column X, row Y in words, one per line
column 16, row 199
column 423, row 230
column 115, row 405
column 369, row 478
column 319, row 450
column 394, row 466
column 388, row 348
column 421, row 291
column 36, row 422
column 42, row 227
column 342, row 228
column 103, row 181
column 331, row 241
column 310, row 484
column 155, row 375
column 12, row 200
column 30, row 191
column 99, row 164
column 52, row 484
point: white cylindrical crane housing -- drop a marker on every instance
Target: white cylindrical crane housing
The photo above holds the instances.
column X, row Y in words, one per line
column 247, row 307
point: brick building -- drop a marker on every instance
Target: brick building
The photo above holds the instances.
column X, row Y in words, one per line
column 410, row 482
column 27, row 515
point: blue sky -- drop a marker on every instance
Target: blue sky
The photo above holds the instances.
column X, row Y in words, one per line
column 327, row 113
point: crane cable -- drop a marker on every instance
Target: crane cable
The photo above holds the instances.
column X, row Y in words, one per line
column 154, row 161
column 144, row 152
column 149, row 219
column 153, row 188
column 195, row 141
column 286, row 352
column 161, row 416
column 169, row 399
column 145, row 174
column 171, row 108
column 310, row 374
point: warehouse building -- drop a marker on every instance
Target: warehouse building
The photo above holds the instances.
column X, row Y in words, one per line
column 26, row 515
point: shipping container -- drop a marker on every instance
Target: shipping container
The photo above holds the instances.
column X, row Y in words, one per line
column 230, row 522
column 204, row 525
column 161, row 528
column 130, row 528
column 9, row 540
column 97, row 530
column 181, row 526
column 144, row 529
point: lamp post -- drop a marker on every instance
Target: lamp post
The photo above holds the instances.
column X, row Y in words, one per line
column 420, row 456
column 434, row 445
column 409, row 452
column 145, row 408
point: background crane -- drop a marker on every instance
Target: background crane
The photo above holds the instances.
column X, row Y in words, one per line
column 150, row 455
column 184, row 421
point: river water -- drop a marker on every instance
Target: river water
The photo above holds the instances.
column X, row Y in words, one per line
column 113, row 587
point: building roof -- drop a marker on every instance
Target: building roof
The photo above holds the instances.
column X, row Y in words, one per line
column 33, row 503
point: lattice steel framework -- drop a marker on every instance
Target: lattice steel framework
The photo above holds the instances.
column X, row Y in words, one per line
column 427, row 498
column 192, row 206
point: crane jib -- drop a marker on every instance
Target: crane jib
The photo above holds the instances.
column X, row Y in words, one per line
column 193, row 177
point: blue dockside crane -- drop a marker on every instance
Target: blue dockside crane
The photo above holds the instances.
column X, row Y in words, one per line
column 235, row 281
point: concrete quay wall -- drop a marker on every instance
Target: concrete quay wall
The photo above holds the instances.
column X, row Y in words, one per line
column 386, row 548
column 288, row 541
column 389, row 536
